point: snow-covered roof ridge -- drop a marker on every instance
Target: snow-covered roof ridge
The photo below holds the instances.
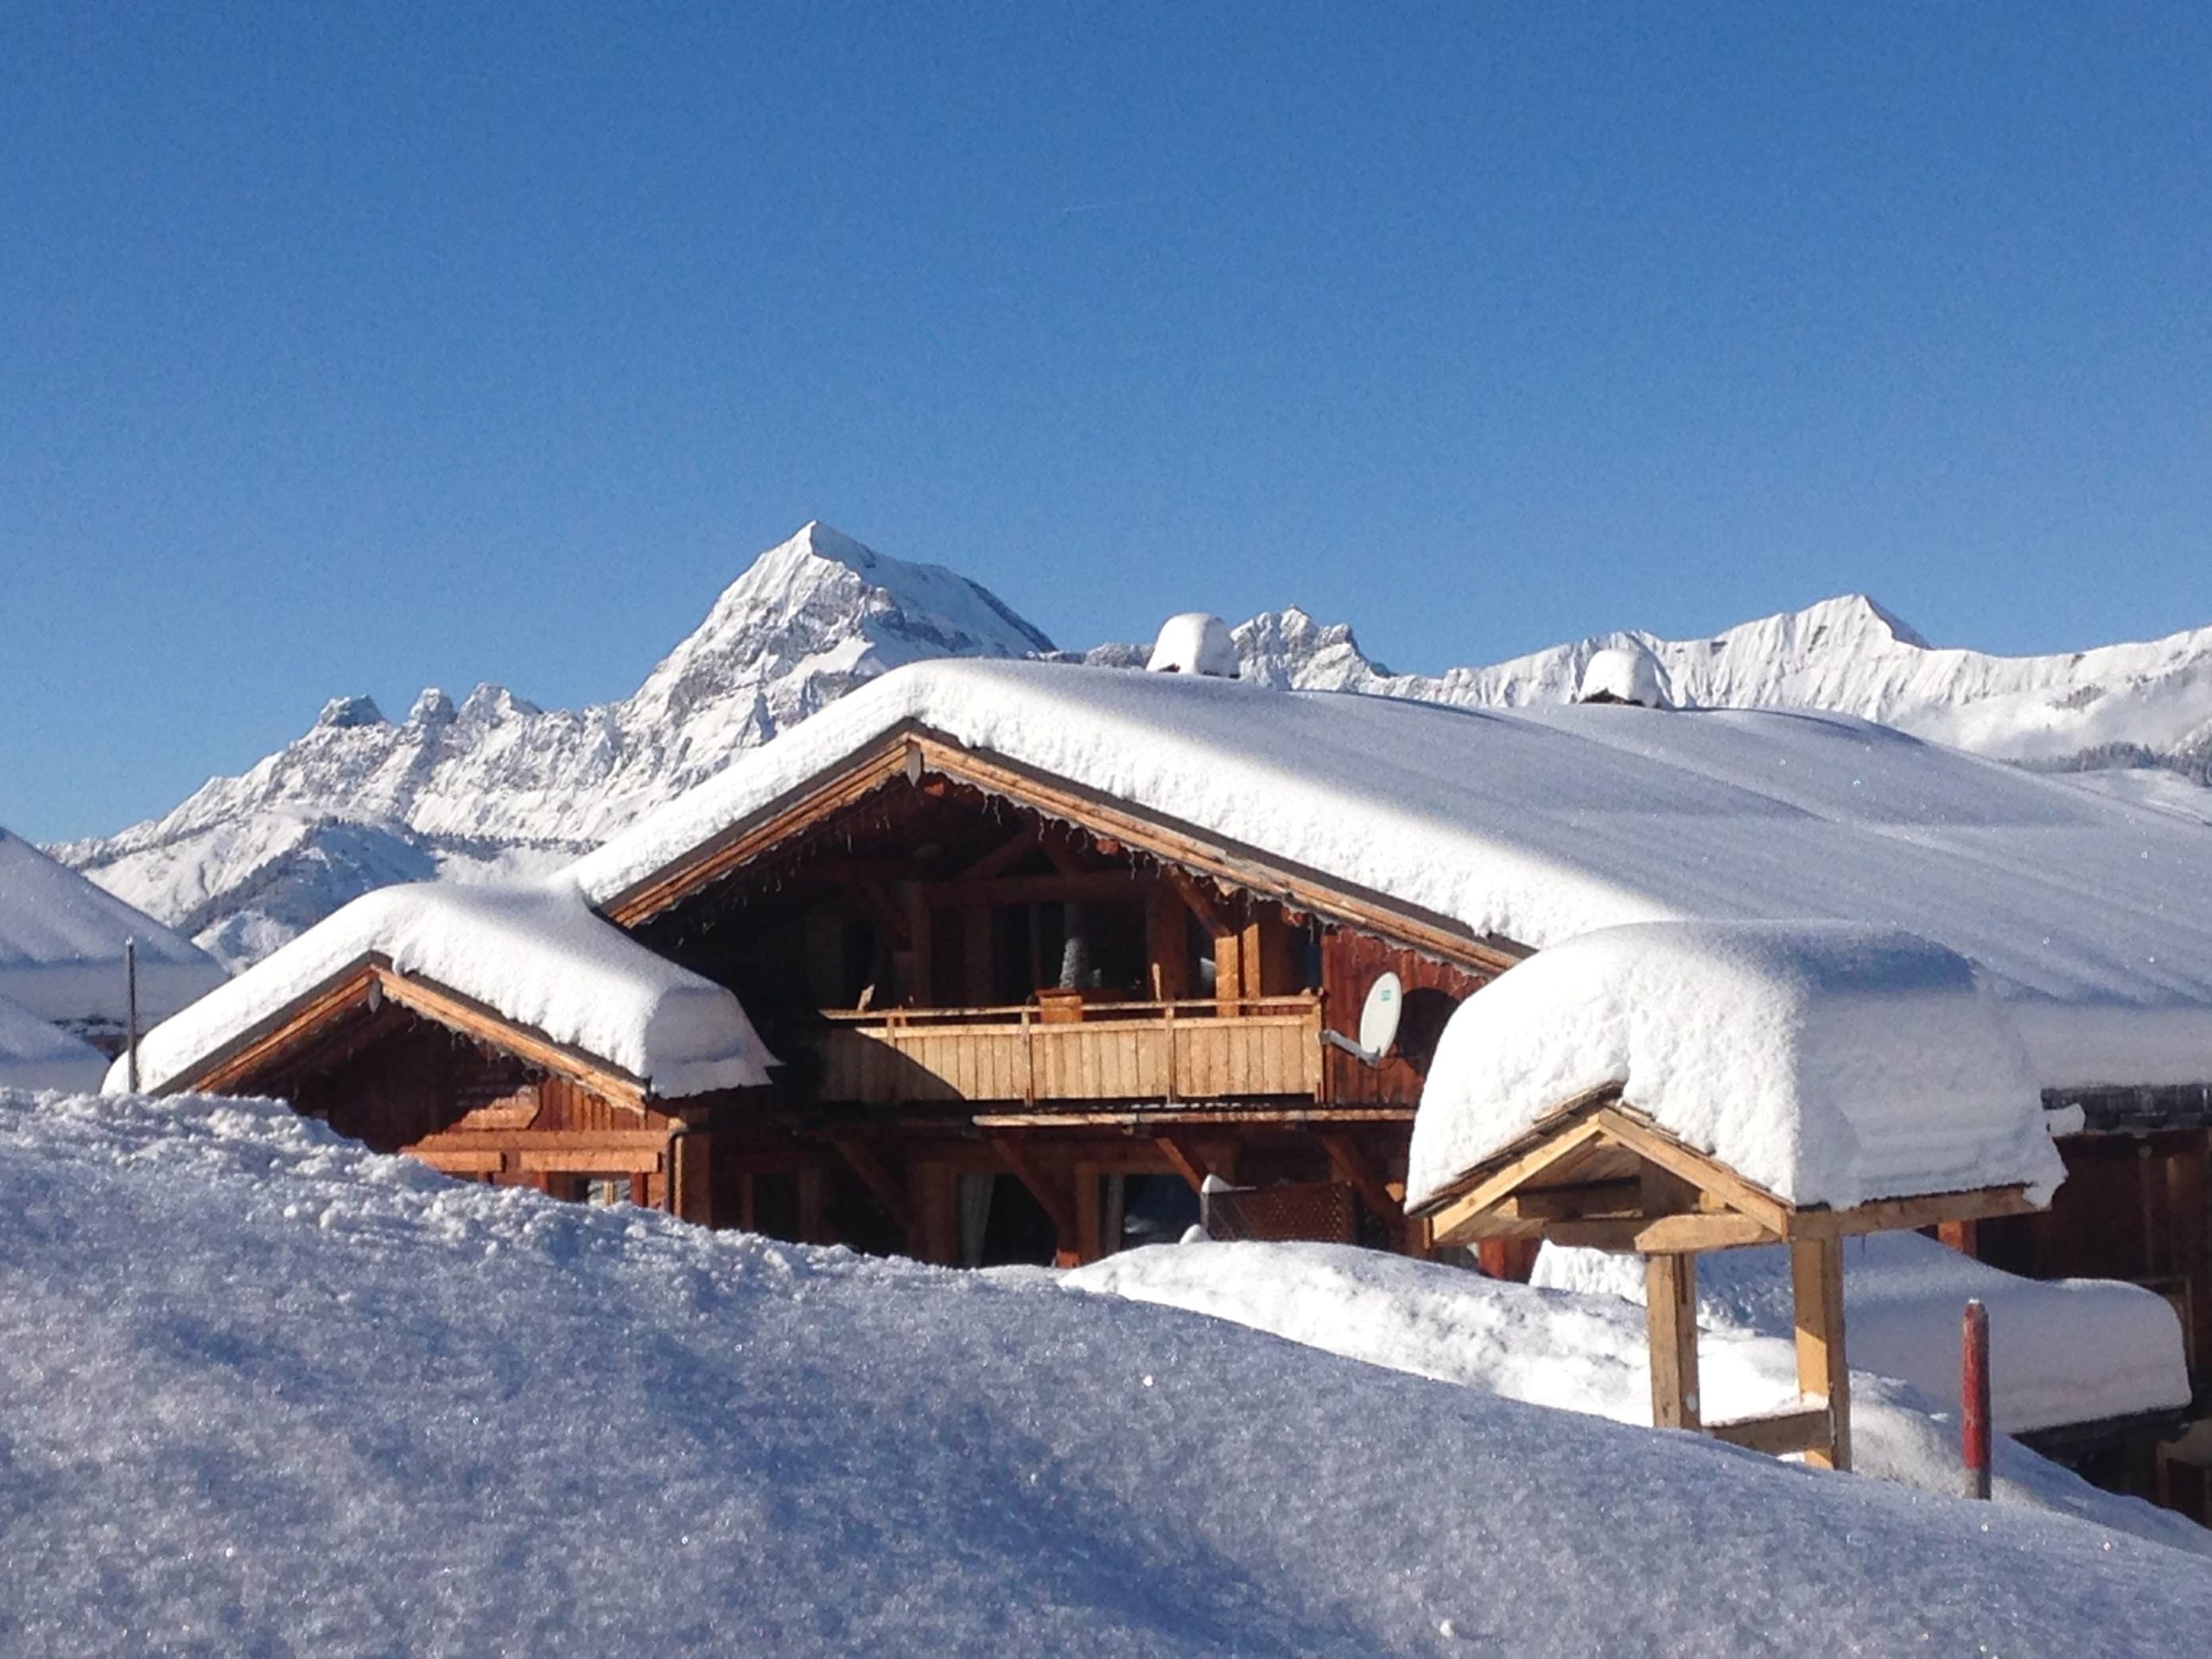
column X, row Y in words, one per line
column 1536, row 825
column 61, row 945
column 1831, row 1064
column 534, row 953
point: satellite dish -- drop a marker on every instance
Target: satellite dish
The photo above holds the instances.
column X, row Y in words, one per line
column 1378, row 1018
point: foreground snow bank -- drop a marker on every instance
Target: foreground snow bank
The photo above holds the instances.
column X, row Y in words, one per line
column 532, row 951
column 312, row 1399
column 2067, row 1350
column 1830, row 1063
column 1585, row 1349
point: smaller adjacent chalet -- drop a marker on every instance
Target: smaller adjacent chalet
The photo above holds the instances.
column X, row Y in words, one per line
column 503, row 1035
column 1672, row 1087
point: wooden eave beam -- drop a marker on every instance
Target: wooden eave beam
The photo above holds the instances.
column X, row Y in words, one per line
column 1001, row 857
column 1908, row 1214
column 1450, row 1219
column 1184, row 1162
column 1351, row 1166
column 270, row 1041
column 1640, row 1135
column 462, row 1014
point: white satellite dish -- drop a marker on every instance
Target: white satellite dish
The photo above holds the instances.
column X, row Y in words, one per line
column 1378, row 1019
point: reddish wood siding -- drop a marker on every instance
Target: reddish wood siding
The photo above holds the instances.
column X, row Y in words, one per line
column 1351, row 963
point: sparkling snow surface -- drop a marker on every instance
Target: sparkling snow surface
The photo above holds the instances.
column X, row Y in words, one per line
column 534, row 953
column 314, row 1400
column 2066, row 1351
column 1831, row 1064
column 1587, row 1350
column 36, row 1055
column 61, row 945
column 2096, row 917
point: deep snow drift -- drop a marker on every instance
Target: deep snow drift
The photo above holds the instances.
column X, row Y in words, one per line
column 1830, row 1063
column 314, row 1399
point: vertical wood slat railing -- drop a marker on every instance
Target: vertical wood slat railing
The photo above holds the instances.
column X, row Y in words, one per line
column 1115, row 1050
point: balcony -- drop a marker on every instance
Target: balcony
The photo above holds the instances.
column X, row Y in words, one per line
column 1068, row 1049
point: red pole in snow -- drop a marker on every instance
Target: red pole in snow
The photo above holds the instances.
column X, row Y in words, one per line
column 1974, row 1397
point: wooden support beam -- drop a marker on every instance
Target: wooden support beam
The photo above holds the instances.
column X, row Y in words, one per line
column 813, row 1220
column 935, row 1196
column 1051, row 1197
column 1661, row 1234
column 1091, row 1240
column 1003, row 857
column 1656, row 1146
column 1823, row 1373
column 1200, row 900
column 1452, row 1220
column 1906, row 1215
column 1184, row 1161
column 1351, row 1166
column 889, row 1190
column 1670, row 1316
column 1584, row 1201
column 1779, row 1434
column 690, row 1191
column 1167, row 943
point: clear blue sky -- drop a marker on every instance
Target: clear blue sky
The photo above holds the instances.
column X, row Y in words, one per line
column 359, row 348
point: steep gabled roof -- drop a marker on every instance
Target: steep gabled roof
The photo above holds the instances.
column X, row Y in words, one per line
column 1532, row 826
column 528, row 966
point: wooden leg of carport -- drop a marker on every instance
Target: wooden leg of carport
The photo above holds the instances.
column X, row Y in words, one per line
column 1816, row 1286
column 1670, row 1311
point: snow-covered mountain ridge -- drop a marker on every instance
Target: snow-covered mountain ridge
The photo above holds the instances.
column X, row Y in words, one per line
column 494, row 784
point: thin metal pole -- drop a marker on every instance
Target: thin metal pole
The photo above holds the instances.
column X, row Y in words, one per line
column 1974, row 1397
column 131, row 996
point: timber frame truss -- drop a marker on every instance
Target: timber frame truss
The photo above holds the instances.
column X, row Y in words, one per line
column 1601, row 1173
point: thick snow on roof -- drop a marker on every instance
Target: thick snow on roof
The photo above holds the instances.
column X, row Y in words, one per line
column 1539, row 824
column 2063, row 1350
column 36, row 1055
column 1626, row 674
column 534, row 953
column 316, row 1400
column 61, row 945
column 1194, row 643
column 1583, row 1347
column 1829, row 1063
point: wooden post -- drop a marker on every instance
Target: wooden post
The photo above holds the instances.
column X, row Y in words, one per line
column 1670, row 1312
column 1090, row 1243
column 1823, row 1374
column 934, row 1198
column 690, row 1190
column 1167, row 944
column 813, row 1227
column 1974, row 1397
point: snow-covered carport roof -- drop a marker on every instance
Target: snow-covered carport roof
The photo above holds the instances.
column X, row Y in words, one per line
column 1487, row 834
column 528, row 969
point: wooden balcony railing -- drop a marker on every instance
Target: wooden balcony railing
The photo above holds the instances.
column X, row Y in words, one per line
column 1099, row 1051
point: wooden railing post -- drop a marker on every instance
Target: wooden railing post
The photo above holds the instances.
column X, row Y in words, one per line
column 1816, row 1288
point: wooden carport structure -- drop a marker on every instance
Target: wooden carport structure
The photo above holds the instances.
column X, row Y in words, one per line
column 1599, row 1172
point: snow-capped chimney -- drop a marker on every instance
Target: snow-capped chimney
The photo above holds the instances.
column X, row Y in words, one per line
column 1624, row 674
column 1194, row 643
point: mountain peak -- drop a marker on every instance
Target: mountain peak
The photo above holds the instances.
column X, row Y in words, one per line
column 341, row 713
column 1863, row 611
column 827, row 541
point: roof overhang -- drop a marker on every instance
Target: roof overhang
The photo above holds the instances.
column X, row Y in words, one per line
column 363, row 986
column 911, row 751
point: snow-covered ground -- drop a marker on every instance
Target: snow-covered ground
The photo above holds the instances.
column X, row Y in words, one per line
column 266, row 1392
column 34, row 1054
column 1586, row 1350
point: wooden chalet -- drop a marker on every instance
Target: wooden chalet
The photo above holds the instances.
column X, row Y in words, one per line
column 1038, row 948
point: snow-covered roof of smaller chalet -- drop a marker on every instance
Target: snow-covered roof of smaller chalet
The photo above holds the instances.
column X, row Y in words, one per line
column 61, row 945
column 1537, row 825
column 535, row 954
column 36, row 1055
column 1830, row 1063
